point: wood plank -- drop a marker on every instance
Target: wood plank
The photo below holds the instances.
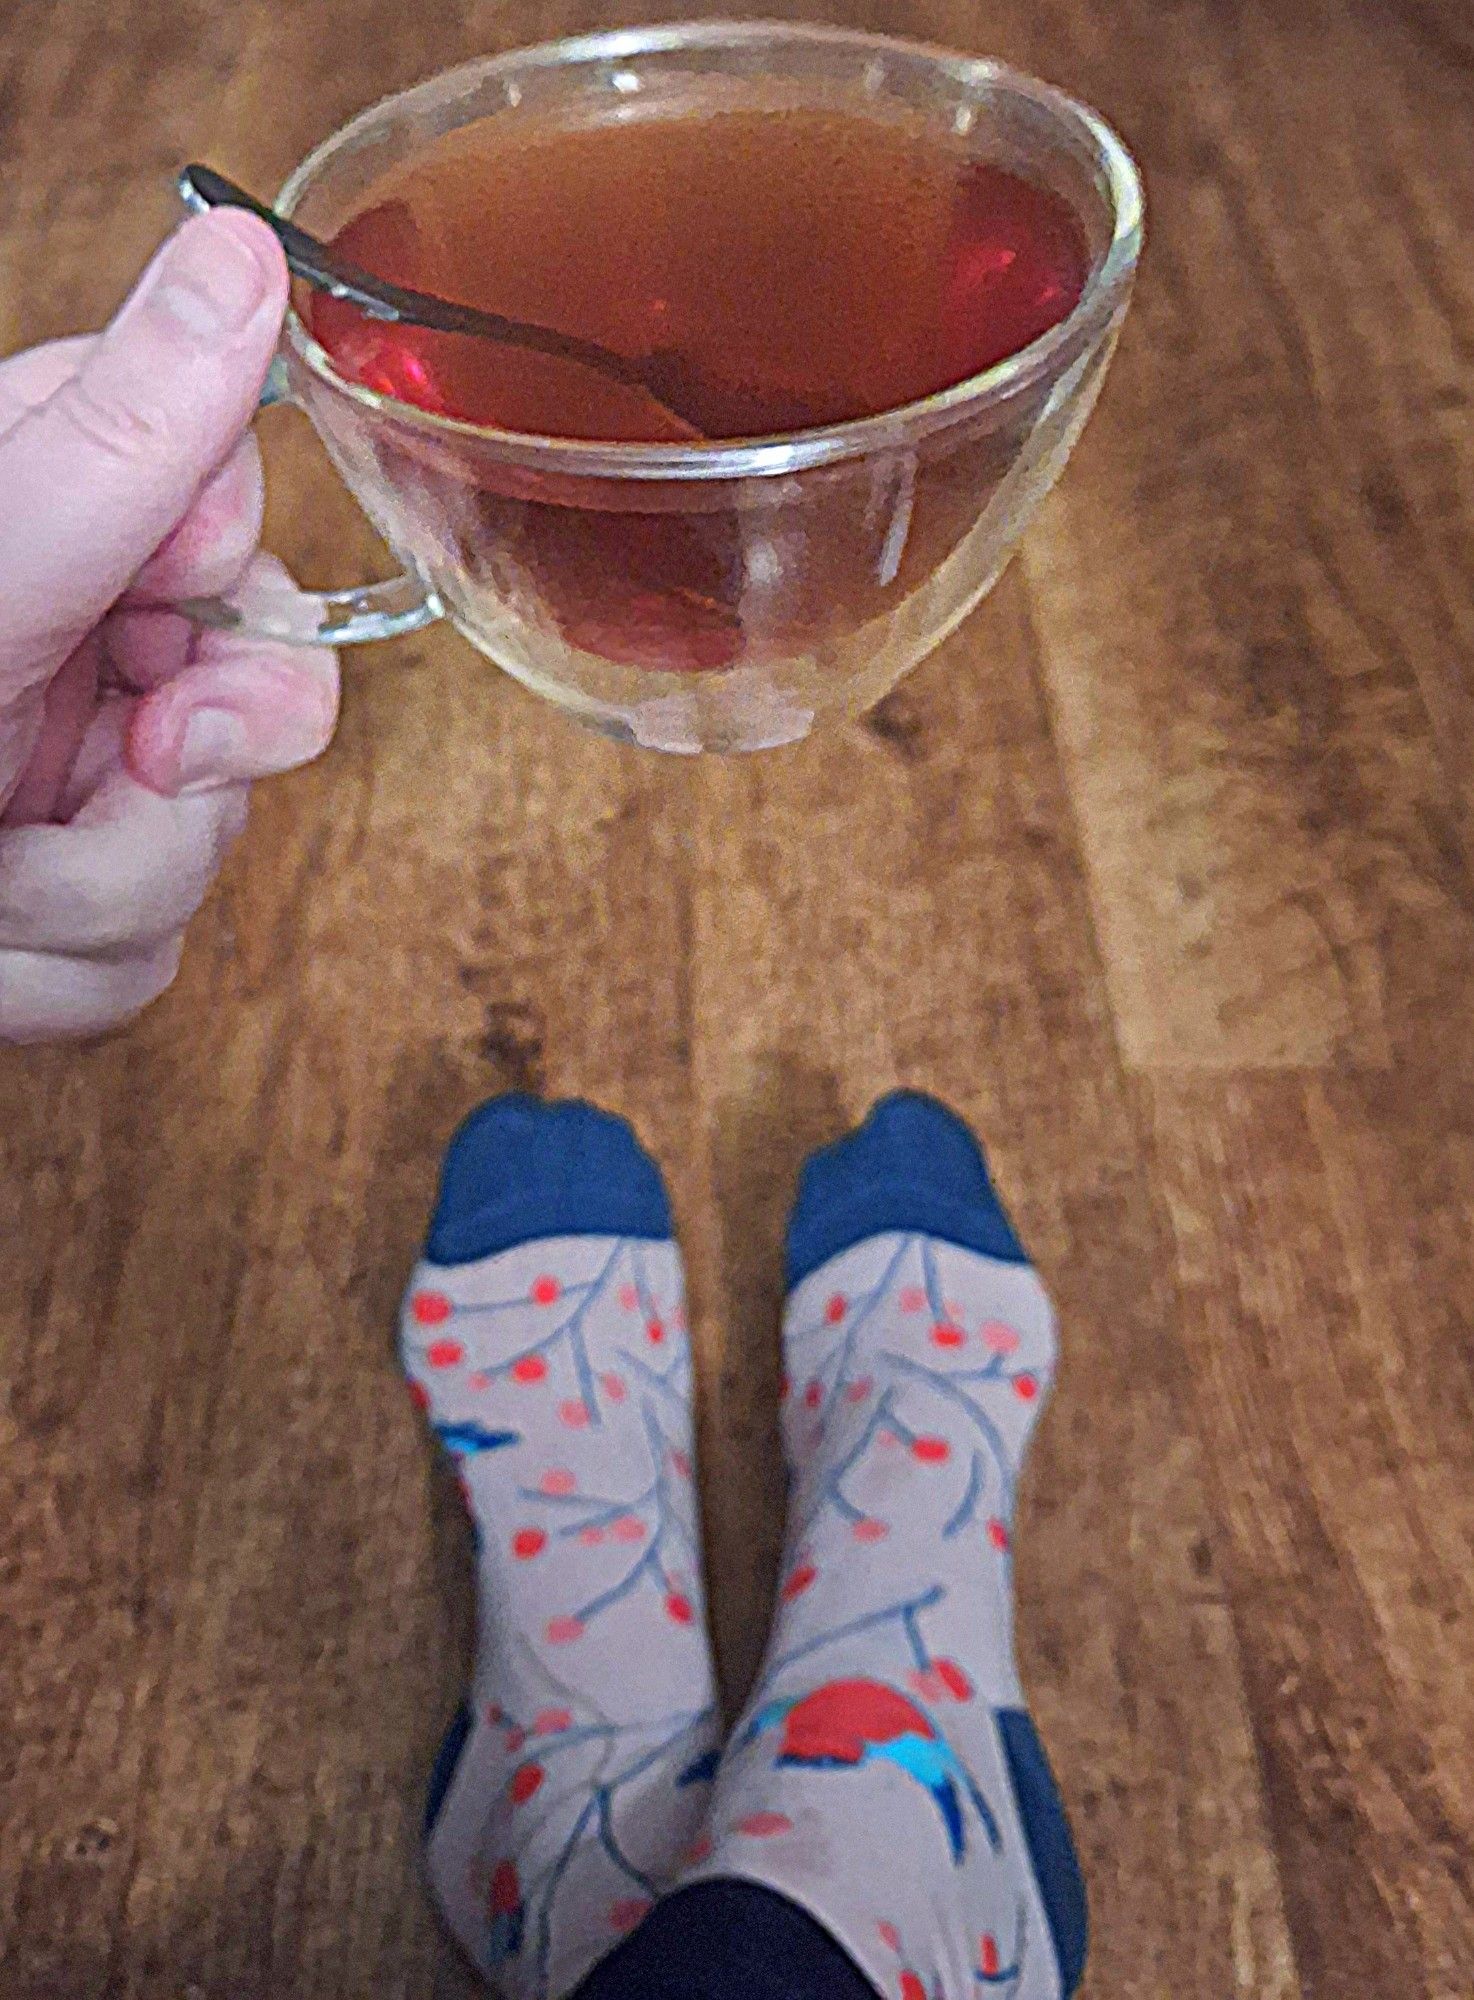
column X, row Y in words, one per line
column 1341, row 1464
column 1247, row 722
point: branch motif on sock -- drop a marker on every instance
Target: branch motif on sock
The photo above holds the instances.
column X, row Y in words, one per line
column 850, row 1371
column 447, row 1325
column 521, row 1905
column 647, row 1521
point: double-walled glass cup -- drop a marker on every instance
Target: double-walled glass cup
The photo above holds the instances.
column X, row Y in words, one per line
column 710, row 596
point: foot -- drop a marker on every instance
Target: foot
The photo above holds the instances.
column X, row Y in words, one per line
column 886, row 1776
column 544, row 1337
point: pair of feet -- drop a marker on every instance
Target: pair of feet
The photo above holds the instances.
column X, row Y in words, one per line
column 884, row 1776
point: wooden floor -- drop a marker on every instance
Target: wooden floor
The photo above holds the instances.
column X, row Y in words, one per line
column 1163, row 872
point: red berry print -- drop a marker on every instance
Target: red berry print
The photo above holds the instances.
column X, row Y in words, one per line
column 495, row 1713
column 479, row 1380
column 858, row 1391
column 563, row 1631
column 529, row 1368
column 506, row 1889
column 888, row 1438
column 552, row 1721
column 870, row 1530
column 954, row 1680
column 558, row 1481
column 629, row 1911
column 890, row 1937
column 629, row 1299
column 444, row 1353
column 798, row 1581
column 419, row 1395
column 680, row 1465
column 988, row 1956
column 655, row 1332
column 813, row 1395
column 911, row 1987
column 430, row 1308
column 526, row 1779
column 628, row 1528
column 700, row 1850
column 678, row 1609
column 785, row 1387
column 591, row 1538
column 911, row 1299
column 998, row 1338
column 1025, row 1388
column 931, row 1450
column 527, row 1543
column 946, row 1334
column 998, row 1535
column 546, row 1291
column 836, row 1309
column 515, row 1738
column 763, row 1825
column 614, row 1386
column 574, row 1414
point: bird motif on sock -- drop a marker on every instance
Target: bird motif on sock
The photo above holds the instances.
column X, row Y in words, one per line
column 469, row 1440
column 846, row 1725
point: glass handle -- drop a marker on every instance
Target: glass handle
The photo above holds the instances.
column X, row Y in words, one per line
column 384, row 610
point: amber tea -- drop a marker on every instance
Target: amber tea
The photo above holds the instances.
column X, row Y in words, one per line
column 807, row 265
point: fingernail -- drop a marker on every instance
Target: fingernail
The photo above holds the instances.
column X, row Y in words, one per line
column 209, row 281
column 212, row 750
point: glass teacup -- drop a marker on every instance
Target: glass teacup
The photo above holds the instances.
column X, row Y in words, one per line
column 710, row 596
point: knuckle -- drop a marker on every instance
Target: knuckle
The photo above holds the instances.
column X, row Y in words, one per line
column 125, row 429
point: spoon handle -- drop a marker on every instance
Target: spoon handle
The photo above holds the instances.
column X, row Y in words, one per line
column 311, row 260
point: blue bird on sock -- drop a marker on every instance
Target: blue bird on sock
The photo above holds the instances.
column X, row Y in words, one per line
column 469, row 1439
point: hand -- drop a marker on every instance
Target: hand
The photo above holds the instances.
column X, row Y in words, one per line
column 127, row 740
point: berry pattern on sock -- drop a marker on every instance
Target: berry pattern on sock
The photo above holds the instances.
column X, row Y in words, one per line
column 869, row 1780
column 557, row 1375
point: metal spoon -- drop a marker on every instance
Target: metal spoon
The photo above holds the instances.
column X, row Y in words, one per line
column 664, row 378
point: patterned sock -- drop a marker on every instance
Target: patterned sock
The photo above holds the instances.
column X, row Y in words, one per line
column 544, row 1337
column 885, row 1776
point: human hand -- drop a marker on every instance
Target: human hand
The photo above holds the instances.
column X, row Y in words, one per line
column 128, row 476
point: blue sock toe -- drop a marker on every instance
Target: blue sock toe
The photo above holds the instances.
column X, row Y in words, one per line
column 518, row 1169
column 912, row 1165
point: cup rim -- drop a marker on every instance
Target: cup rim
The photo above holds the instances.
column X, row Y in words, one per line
column 786, row 452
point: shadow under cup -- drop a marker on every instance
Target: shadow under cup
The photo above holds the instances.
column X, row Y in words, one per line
column 726, row 597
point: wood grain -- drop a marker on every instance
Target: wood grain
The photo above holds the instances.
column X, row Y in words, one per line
column 1160, row 871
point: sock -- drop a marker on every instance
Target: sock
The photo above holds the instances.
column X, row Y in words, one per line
column 544, row 1337
column 885, row 1776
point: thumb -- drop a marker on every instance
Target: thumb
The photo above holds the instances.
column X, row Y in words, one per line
column 93, row 479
